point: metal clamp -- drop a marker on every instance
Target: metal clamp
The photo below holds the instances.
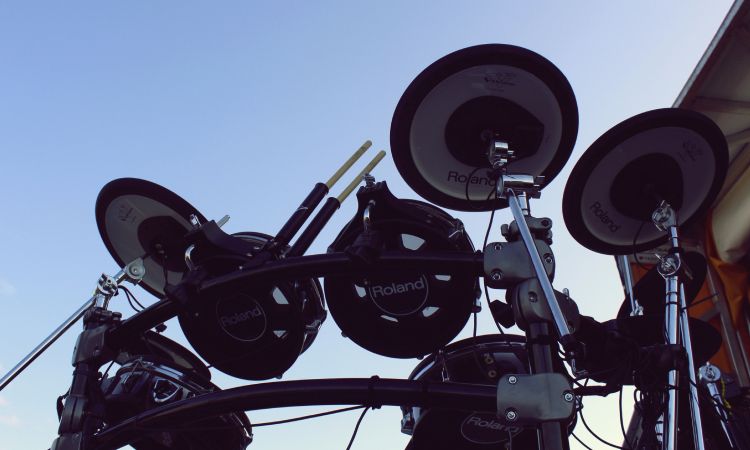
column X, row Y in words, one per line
column 534, row 399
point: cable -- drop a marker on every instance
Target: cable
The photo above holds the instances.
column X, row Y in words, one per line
column 311, row 416
column 635, row 239
column 704, row 299
column 468, row 180
column 131, row 298
column 356, row 428
column 594, row 434
column 622, row 423
column 580, row 441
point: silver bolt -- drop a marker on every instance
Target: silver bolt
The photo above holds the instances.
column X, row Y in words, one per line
column 512, row 379
column 568, row 396
column 497, row 246
column 136, row 270
column 548, row 258
column 496, row 275
column 511, row 415
column 532, row 297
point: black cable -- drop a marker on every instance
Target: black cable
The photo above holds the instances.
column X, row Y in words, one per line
column 356, row 428
column 475, row 324
column 704, row 299
column 310, row 416
column 596, row 435
column 131, row 298
column 635, row 239
column 104, row 375
column 580, row 441
column 468, row 180
column 622, row 424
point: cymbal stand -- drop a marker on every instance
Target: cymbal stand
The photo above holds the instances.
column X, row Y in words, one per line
column 84, row 408
column 132, row 272
column 517, row 188
column 676, row 323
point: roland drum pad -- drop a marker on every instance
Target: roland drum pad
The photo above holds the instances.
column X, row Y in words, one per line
column 404, row 314
column 140, row 219
column 443, row 125
column 670, row 154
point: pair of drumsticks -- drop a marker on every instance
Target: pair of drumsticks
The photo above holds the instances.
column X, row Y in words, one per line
column 313, row 199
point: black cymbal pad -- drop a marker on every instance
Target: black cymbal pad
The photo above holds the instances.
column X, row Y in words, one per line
column 140, row 219
column 446, row 119
column 670, row 154
column 650, row 290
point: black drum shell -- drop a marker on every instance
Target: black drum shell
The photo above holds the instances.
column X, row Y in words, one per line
column 411, row 332
column 134, row 389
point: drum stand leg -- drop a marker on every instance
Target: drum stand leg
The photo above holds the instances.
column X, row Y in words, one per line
column 676, row 322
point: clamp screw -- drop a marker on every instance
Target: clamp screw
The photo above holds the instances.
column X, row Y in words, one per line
column 497, row 246
column 568, row 396
column 548, row 258
column 496, row 275
column 511, row 415
column 512, row 379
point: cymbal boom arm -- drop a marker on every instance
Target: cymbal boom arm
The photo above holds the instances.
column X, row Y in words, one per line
column 132, row 272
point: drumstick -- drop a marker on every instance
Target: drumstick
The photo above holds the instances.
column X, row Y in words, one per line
column 328, row 209
column 313, row 199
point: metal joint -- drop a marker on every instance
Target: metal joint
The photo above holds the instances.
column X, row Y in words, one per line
column 535, row 399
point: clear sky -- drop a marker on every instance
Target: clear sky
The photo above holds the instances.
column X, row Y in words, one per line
column 240, row 107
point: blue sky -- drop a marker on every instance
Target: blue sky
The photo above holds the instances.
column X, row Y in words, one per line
column 240, row 107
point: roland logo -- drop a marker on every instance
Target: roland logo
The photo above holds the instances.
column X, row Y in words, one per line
column 234, row 319
column 464, row 178
column 385, row 290
column 487, row 424
column 601, row 214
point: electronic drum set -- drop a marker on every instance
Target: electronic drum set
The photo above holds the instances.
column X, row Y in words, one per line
column 484, row 128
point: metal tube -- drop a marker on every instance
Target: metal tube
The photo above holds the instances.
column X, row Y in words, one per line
column 627, row 278
column 99, row 298
column 671, row 326
column 549, row 434
column 695, row 411
column 561, row 324
column 329, row 264
column 44, row 345
column 353, row 391
column 671, row 319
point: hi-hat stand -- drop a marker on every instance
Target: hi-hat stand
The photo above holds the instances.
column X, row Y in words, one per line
column 676, row 327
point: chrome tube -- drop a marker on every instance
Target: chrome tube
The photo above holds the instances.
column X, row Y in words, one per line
column 671, row 320
column 24, row 363
column 549, row 293
column 695, row 411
